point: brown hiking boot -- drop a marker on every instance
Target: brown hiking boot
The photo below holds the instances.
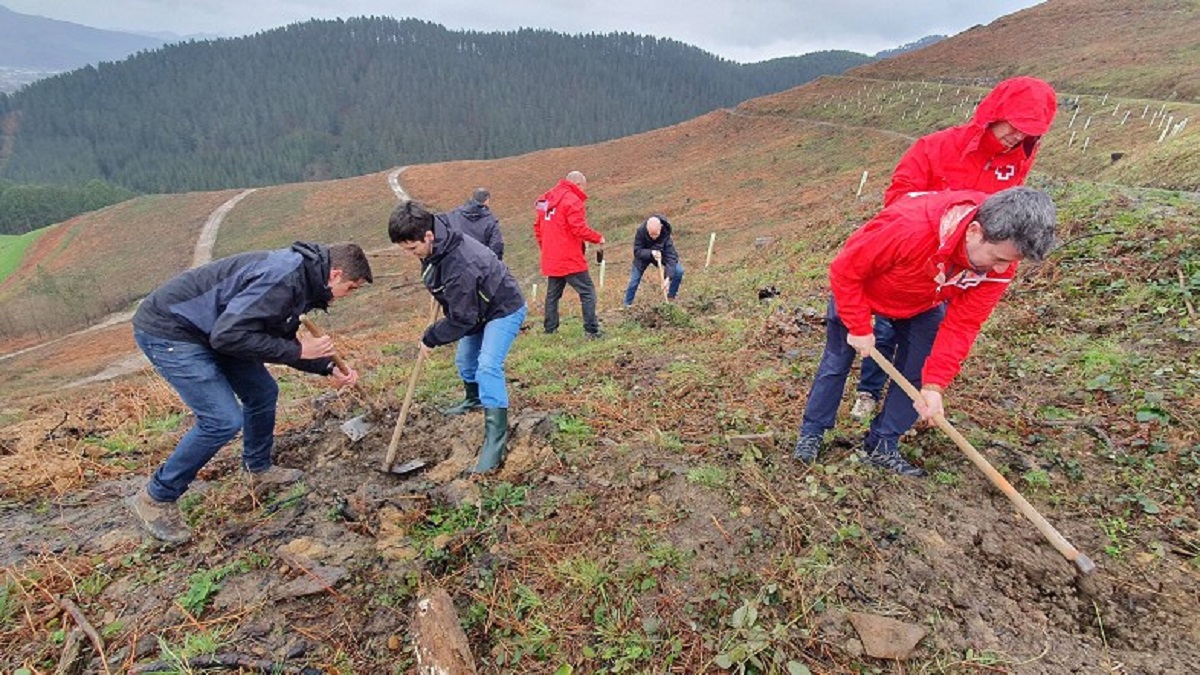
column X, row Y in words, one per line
column 276, row 476
column 161, row 519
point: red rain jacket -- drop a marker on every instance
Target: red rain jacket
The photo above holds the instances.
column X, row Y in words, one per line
column 968, row 156
column 910, row 258
column 560, row 227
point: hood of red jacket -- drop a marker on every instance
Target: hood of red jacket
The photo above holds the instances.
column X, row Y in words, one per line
column 1027, row 103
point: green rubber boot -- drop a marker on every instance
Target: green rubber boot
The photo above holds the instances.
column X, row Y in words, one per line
column 471, row 402
column 495, row 440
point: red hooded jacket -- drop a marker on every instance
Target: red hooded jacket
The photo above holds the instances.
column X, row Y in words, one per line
column 560, row 227
column 910, row 258
column 969, row 156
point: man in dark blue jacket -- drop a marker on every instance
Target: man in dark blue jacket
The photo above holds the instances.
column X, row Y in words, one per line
column 210, row 331
column 652, row 245
column 477, row 221
column 483, row 309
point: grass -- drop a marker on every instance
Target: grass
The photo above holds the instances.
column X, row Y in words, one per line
column 12, row 250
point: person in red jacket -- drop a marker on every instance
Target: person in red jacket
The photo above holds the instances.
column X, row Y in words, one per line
column 935, row 265
column 561, row 229
column 994, row 151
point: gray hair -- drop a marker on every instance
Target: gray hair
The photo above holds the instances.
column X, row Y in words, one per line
column 1021, row 215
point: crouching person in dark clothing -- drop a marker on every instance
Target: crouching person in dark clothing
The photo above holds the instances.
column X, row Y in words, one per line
column 652, row 245
column 483, row 309
column 210, row 331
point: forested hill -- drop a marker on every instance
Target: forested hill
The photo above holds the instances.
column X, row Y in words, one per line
column 325, row 99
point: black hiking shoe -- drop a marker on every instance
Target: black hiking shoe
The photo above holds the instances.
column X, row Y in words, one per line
column 887, row 456
column 807, row 448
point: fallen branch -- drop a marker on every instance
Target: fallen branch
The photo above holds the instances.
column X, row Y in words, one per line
column 230, row 662
column 97, row 641
column 1187, row 294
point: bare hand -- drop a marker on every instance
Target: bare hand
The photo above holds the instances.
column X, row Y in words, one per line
column 315, row 347
column 342, row 379
column 666, row 284
column 657, row 256
column 423, row 350
column 861, row 343
column 931, row 405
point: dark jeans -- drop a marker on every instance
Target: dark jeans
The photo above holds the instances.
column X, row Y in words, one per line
column 635, row 278
column 480, row 357
column 226, row 395
column 582, row 283
column 914, row 340
column 872, row 378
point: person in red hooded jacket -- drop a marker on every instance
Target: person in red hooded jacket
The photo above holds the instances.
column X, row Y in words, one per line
column 935, row 265
column 994, row 151
column 561, row 228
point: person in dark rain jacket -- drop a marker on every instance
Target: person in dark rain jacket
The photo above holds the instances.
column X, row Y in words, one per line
column 210, row 331
column 477, row 221
column 483, row 311
column 652, row 245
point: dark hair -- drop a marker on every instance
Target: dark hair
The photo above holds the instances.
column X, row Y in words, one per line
column 351, row 260
column 409, row 222
column 1021, row 215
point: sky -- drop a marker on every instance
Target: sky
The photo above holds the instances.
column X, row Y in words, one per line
column 740, row 30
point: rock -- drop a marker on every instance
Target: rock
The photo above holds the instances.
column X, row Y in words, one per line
column 885, row 638
column 314, row 580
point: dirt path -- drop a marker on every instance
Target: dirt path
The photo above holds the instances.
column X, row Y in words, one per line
column 394, row 182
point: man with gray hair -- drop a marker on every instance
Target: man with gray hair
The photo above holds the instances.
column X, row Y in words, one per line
column 477, row 221
column 935, row 265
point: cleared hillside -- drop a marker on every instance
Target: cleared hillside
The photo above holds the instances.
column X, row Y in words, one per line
column 1130, row 48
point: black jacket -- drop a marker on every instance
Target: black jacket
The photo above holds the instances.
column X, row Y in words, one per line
column 643, row 245
column 246, row 306
column 477, row 221
column 469, row 282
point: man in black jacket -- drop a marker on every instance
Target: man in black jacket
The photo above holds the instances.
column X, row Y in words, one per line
column 652, row 245
column 477, row 221
column 210, row 331
column 483, row 309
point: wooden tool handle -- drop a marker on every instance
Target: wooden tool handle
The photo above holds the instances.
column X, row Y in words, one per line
column 1056, row 540
column 317, row 332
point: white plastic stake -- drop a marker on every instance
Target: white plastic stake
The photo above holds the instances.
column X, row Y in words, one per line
column 603, row 264
column 1086, row 141
column 533, row 296
column 1072, row 140
column 1073, row 116
column 712, row 239
column 861, row 183
column 1088, row 123
column 1126, row 117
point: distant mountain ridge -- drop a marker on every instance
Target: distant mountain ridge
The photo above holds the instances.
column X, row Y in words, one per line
column 41, row 44
column 336, row 98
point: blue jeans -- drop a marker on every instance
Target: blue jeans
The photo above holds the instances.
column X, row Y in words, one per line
column 635, row 278
column 582, row 283
column 226, row 395
column 480, row 357
column 872, row 378
column 914, row 340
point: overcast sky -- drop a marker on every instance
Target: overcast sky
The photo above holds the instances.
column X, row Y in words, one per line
column 742, row 30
